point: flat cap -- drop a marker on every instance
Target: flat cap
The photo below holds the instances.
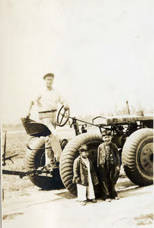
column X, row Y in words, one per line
column 106, row 132
column 48, row 75
column 83, row 148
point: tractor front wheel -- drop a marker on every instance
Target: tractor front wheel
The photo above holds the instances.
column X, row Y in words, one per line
column 137, row 157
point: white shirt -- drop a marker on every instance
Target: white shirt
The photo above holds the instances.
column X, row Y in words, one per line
column 48, row 100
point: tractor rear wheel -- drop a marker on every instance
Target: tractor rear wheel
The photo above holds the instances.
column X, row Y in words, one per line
column 35, row 158
column 71, row 152
column 137, row 157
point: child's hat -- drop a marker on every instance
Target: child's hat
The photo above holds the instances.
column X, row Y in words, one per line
column 106, row 132
column 83, row 148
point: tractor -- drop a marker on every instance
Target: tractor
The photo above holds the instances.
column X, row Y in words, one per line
column 133, row 135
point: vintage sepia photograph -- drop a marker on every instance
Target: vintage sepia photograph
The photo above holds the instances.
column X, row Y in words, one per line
column 77, row 81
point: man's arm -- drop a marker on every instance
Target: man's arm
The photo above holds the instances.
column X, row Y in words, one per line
column 76, row 177
column 116, row 152
column 98, row 155
column 63, row 102
column 35, row 100
column 30, row 108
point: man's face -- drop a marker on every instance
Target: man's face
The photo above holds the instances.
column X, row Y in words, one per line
column 49, row 81
column 107, row 138
column 84, row 154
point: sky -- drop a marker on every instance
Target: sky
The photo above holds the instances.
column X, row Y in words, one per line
column 101, row 52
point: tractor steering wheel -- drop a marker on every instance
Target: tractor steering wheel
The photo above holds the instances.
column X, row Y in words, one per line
column 62, row 116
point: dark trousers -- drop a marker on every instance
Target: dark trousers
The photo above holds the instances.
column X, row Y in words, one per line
column 108, row 177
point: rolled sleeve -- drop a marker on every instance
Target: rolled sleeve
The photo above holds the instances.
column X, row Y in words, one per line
column 62, row 100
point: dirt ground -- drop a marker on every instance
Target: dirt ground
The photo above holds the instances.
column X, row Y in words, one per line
column 59, row 209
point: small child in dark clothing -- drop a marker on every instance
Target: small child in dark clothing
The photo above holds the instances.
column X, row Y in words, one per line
column 84, row 176
column 108, row 163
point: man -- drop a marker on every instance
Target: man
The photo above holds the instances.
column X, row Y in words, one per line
column 108, row 163
column 47, row 102
column 84, row 176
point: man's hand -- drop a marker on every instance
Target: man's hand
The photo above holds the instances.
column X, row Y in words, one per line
column 117, row 168
column 76, row 180
column 28, row 115
column 66, row 107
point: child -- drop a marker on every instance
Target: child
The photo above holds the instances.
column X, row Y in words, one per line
column 84, row 176
column 108, row 163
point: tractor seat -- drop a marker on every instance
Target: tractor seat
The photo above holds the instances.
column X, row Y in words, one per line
column 34, row 128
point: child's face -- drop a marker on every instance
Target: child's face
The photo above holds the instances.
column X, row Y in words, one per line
column 107, row 138
column 84, row 154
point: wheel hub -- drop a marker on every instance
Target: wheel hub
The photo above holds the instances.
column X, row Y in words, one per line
column 146, row 158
